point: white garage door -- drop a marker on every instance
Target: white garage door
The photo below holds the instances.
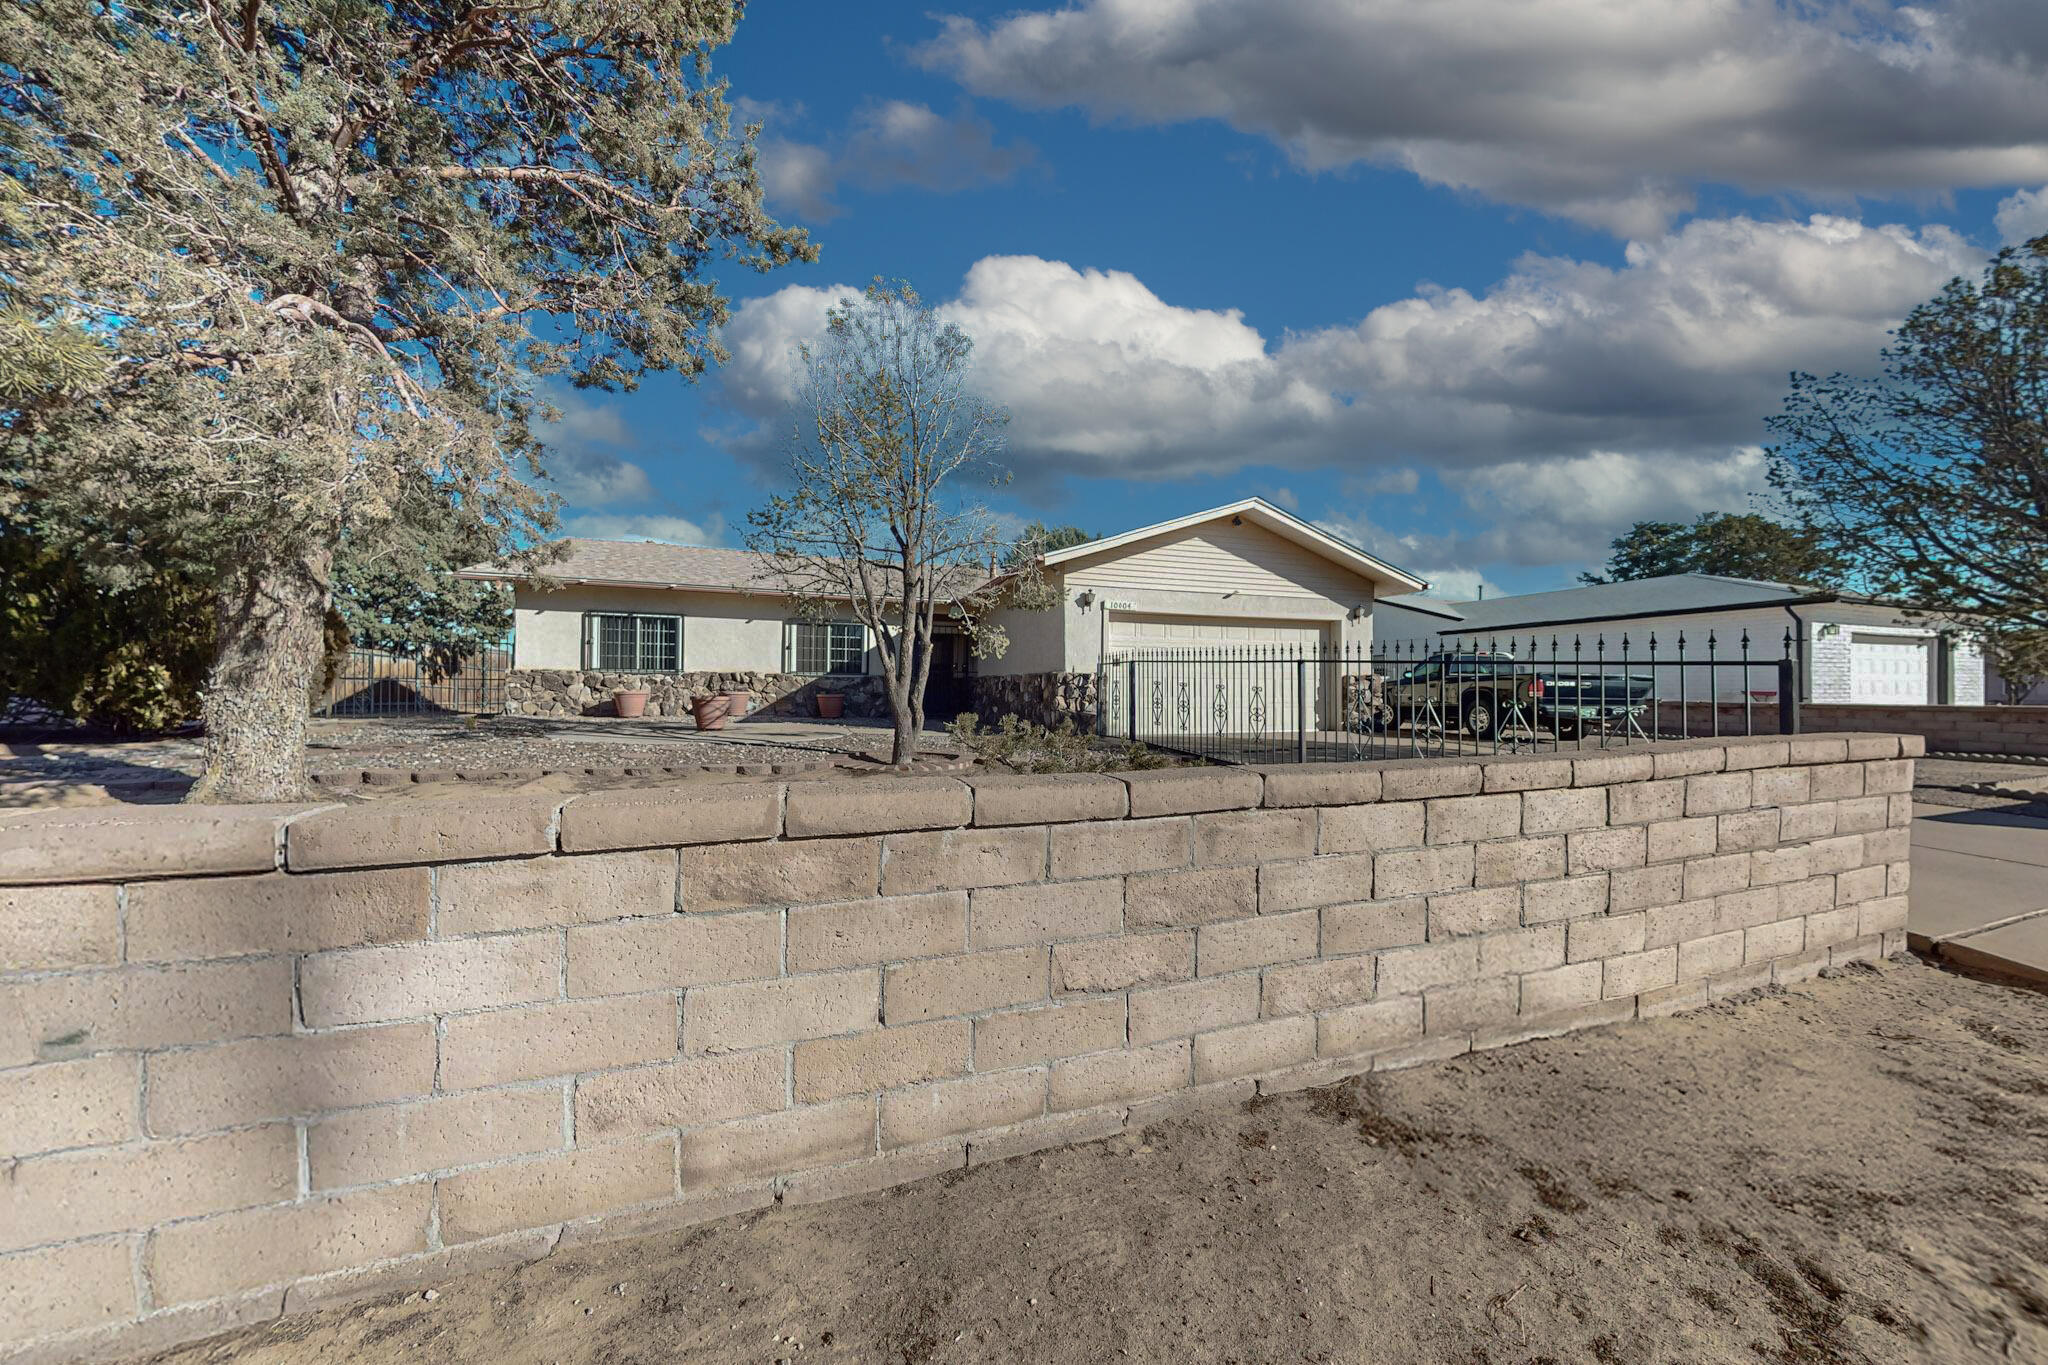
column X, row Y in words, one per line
column 1210, row 673
column 1130, row 633
column 1888, row 670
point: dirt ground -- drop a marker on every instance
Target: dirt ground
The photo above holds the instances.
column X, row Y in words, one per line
column 1849, row 1172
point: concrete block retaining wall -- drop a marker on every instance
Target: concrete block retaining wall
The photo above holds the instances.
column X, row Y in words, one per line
column 258, row 1059
column 1945, row 729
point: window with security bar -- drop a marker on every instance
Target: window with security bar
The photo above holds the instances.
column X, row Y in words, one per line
column 630, row 643
column 819, row 647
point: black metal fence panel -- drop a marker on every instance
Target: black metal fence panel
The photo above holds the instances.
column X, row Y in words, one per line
column 372, row 682
column 1513, row 694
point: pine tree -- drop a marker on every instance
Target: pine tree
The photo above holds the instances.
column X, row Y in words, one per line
column 332, row 251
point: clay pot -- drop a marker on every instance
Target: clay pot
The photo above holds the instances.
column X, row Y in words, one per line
column 710, row 713
column 831, row 705
column 630, row 705
column 736, row 704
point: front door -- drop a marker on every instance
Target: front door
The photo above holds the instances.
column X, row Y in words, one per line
column 948, row 690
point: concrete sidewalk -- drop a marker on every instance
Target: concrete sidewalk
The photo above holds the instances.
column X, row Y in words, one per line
column 1979, row 895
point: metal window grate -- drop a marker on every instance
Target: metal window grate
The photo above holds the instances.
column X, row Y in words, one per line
column 626, row 643
column 819, row 647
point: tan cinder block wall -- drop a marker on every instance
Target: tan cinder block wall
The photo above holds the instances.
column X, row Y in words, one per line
column 257, row 1059
column 1947, row 729
column 2017, row 730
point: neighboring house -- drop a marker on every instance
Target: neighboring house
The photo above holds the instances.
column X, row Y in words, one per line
column 684, row 619
column 1849, row 648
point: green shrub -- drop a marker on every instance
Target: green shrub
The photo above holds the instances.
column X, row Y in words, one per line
column 1024, row 747
column 129, row 659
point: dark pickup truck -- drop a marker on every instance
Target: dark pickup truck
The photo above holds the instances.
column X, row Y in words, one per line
column 1478, row 692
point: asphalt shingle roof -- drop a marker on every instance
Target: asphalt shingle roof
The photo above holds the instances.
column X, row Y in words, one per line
column 659, row 565
column 638, row 563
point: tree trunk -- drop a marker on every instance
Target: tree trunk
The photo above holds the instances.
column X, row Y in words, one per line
column 272, row 622
column 905, row 747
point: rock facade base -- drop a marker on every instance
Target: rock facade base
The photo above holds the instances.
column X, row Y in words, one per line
column 567, row 692
column 1048, row 699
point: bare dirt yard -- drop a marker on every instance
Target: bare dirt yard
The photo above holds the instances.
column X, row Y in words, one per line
column 1852, row 1171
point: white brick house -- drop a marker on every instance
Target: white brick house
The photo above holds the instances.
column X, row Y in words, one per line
column 1850, row 648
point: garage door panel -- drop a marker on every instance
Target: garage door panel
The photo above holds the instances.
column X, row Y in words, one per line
column 1237, row 691
column 1132, row 630
column 1888, row 670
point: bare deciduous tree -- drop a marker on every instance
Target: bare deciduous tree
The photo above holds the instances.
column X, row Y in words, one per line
column 2021, row 658
column 877, row 517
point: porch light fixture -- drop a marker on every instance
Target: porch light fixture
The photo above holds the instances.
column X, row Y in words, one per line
column 1830, row 630
column 1086, row 599
column 1358, row 612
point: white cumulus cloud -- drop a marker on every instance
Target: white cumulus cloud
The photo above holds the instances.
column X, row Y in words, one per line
column 645, row 526
column 887, row 143
column 2022, row 216
column 581, row 463
column 1610, row 113
column 1565, row 400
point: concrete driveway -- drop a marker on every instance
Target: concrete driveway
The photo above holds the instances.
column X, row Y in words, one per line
column 1979, row 895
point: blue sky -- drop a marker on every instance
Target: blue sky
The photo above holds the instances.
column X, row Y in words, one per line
column 1476, row 283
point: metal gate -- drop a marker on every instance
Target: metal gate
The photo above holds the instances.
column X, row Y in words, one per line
column 1447, row 697
column 373, row 682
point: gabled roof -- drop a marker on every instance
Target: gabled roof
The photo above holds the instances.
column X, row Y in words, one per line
column 1263, row 514
column 1668, row 595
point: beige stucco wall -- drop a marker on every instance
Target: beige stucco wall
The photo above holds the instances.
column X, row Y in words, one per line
column 721, row 631
column 1037, row 640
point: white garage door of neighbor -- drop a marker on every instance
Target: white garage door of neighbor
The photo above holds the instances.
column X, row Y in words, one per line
column 1887, row 670
column 1253, row 695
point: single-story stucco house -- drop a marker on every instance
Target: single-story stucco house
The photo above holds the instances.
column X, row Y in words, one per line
column 683, row 620
column 1849, row 648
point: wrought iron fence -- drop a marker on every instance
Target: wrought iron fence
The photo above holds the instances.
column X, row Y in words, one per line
column 1439, row 698
column 372, row 682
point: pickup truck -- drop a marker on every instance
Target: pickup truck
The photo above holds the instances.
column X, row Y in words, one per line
column 1478, row 691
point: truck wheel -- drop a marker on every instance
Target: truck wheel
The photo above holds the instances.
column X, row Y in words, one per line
column 1477, row 716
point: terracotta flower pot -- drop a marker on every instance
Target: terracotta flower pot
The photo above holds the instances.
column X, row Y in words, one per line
column 629, row 704
column 710, row 713
column 737, row 703
column 831, row 705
